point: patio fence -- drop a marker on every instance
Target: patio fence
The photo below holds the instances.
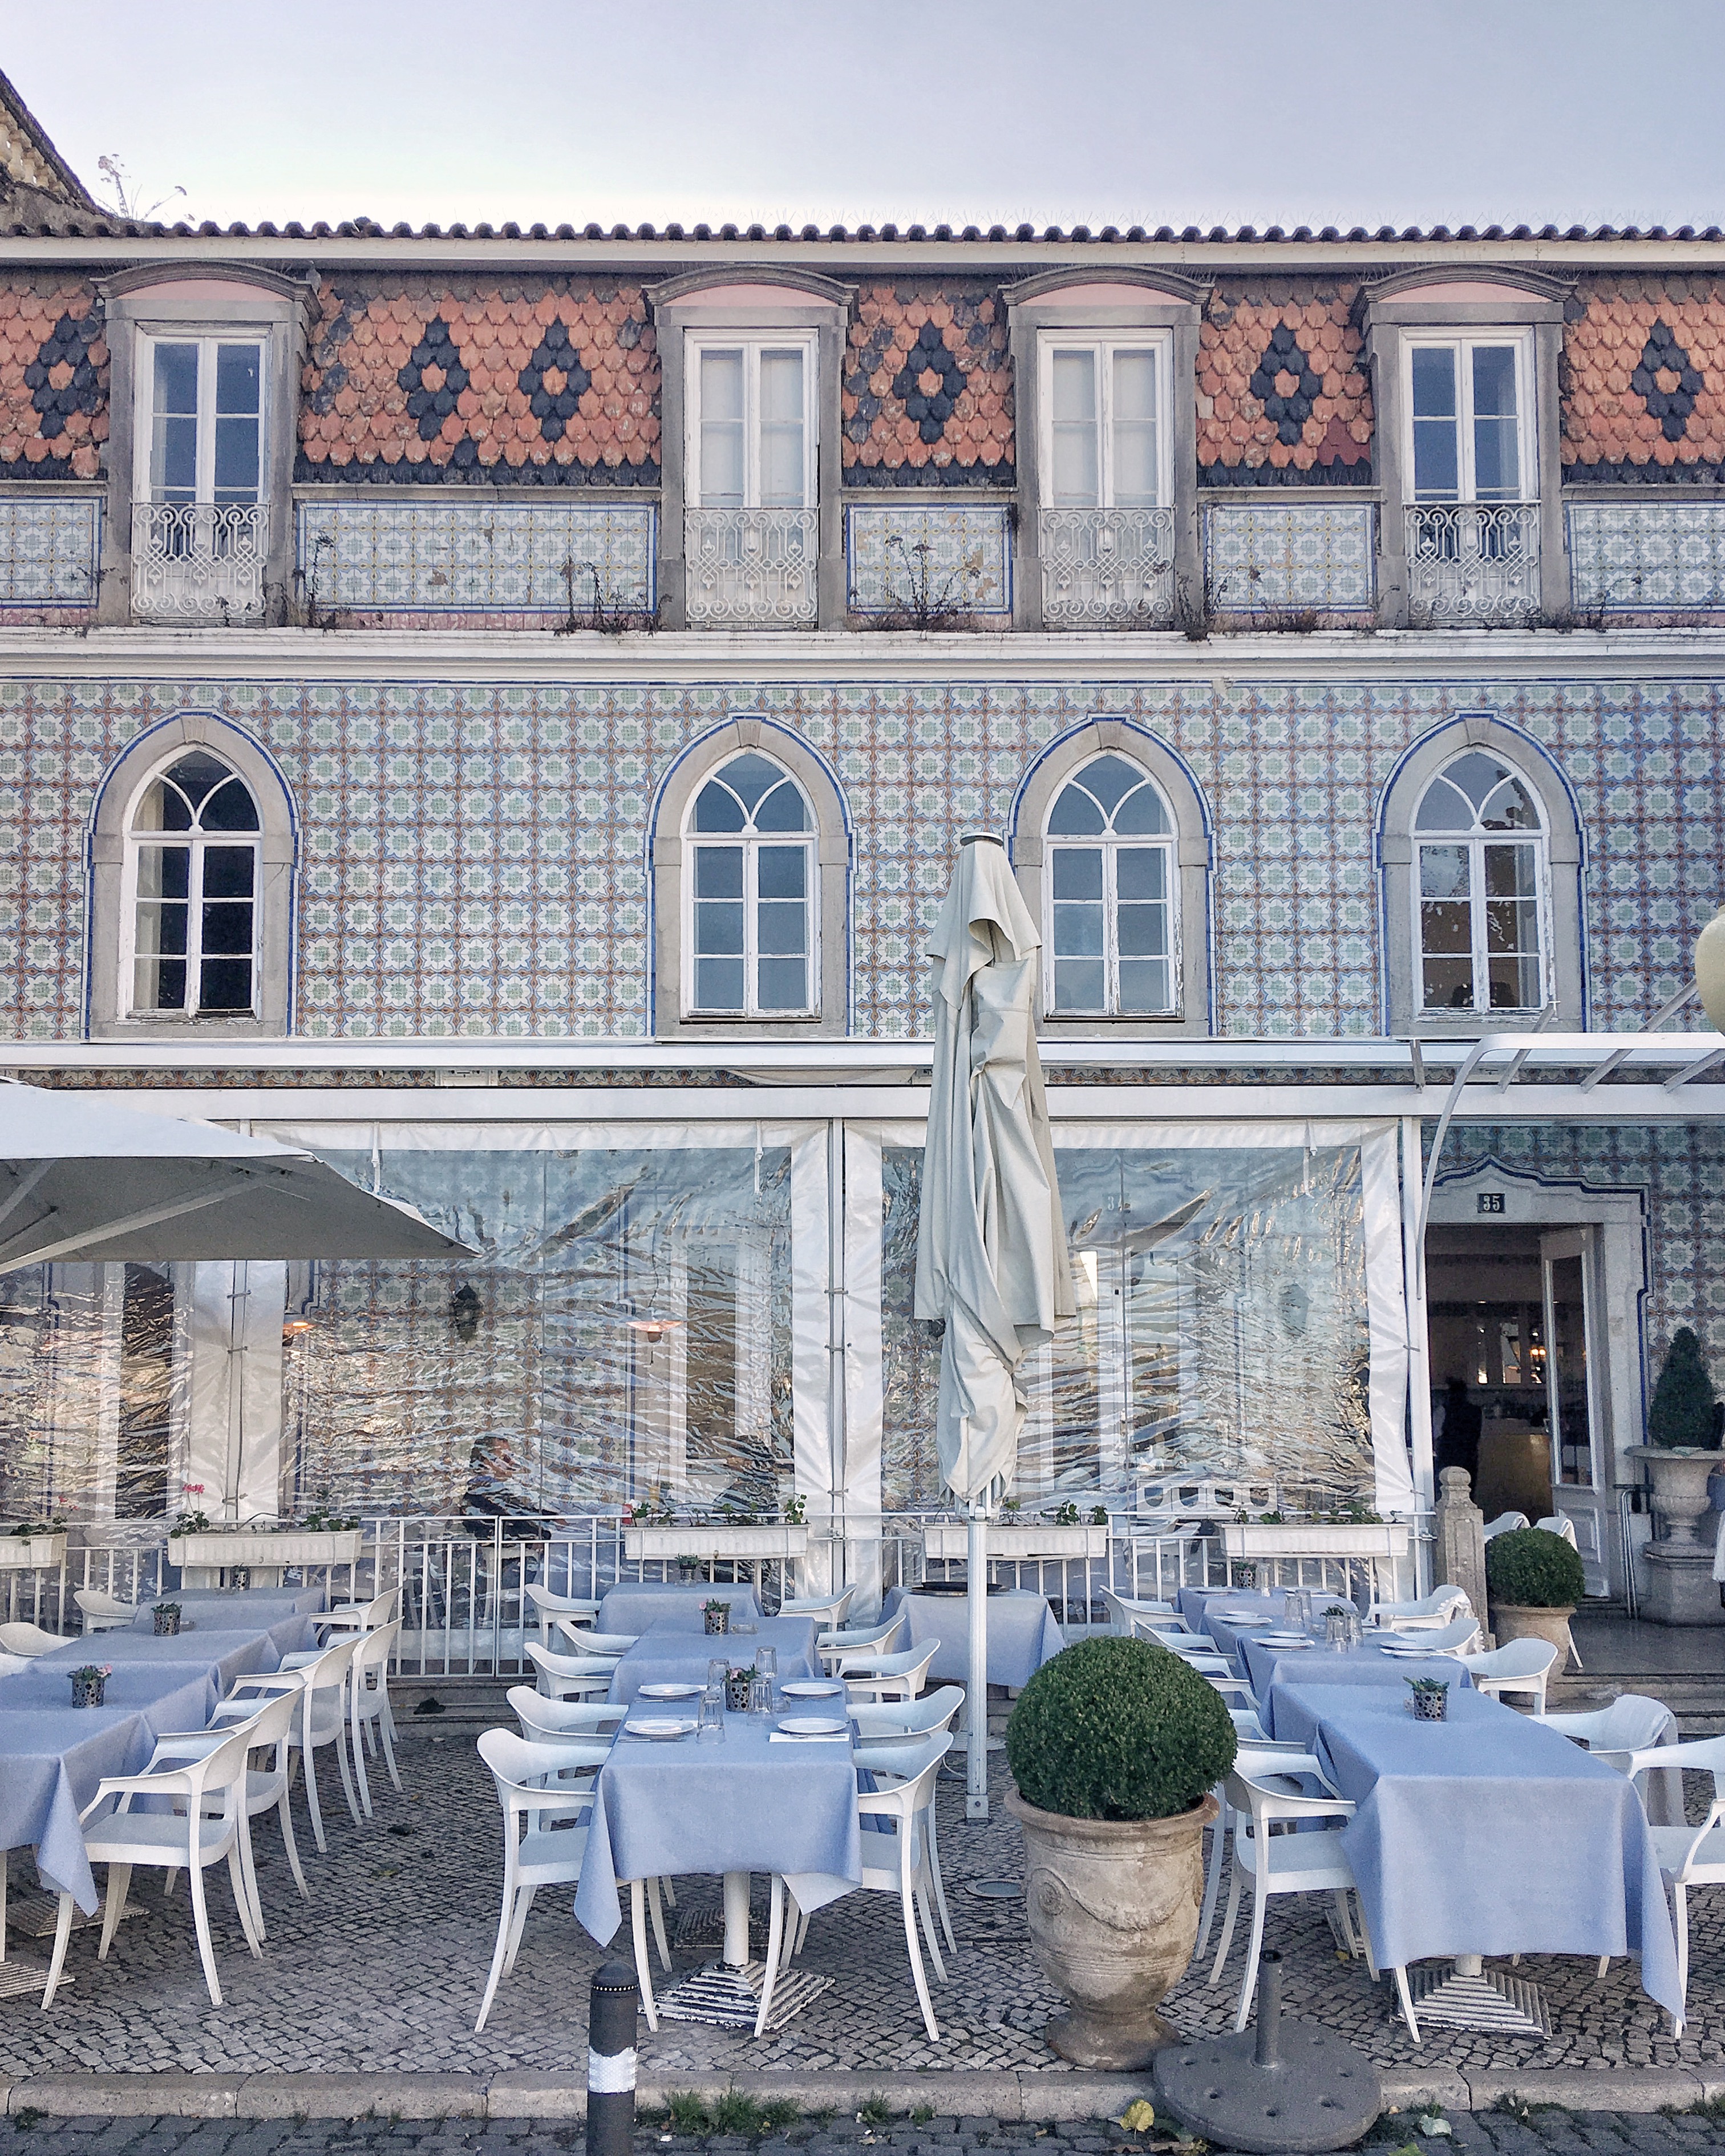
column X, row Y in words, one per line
column 462, row 1578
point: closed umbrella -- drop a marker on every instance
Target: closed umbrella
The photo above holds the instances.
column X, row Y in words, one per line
column 991, row 1244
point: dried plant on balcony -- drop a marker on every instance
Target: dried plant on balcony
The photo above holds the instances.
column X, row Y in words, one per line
column 925, row 601
column 605, row 610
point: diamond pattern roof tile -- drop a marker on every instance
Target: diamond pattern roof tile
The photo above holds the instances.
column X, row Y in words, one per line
column 1644, row 391
column 926, row 393
column 1282, row 394
column 54, row 382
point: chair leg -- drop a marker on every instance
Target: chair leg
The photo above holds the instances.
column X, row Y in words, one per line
column 914, row 1951
column 504, row 1917
column 668, row 1890
column 243, row 1893
column 1407, row 1999
column 658, row 1938
column 1260, row 1897
column 340, row 1742
column 775, row 1935
column 356, row 1745
column 1235, row 1884
column 385, row 1730
column 929, row 1933
column 283, row 1812
column 518, row 1925
column 1680, row 1910
column 644, row 1974
column 200, row 1917
column 119, row 1880
column 1212, row 1880
column 309, row 1753
column 249, row 1871
column 62, row 1932
column 940, row 1887
column 1604, row 1964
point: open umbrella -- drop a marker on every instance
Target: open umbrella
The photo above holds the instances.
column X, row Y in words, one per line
column 991, row 1244
column 83, row 1178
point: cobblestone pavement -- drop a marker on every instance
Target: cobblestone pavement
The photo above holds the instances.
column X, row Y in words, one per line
column 383, row 1969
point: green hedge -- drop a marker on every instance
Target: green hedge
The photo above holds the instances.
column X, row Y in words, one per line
column 1534, row 1567
column 1118, row 1729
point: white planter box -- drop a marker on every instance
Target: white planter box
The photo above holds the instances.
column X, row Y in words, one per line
column 779, row 1541
column 32, row 1552
column 1389, row 1539
column 951, row 1538
column 314, row 1546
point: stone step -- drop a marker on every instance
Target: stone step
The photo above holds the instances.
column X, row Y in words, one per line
column 1697, row 1698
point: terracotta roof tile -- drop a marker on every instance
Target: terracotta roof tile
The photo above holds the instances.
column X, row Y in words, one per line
column 1642, row 384
column 54, row 380
column 1282, row 387
column 927, row 385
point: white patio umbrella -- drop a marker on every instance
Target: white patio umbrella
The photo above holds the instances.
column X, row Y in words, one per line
column 83, row 1178
column 991, row 1244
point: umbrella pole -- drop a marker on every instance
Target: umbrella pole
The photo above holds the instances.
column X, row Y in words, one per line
column 976, row 1788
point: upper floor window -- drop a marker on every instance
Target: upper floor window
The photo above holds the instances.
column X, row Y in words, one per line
column 1104, row 403
column 204, row 441
column 751, row 431
column 753, row 904
column 1469, row 406
column 192, row 867
column 1481, row 932
column 1110, row 879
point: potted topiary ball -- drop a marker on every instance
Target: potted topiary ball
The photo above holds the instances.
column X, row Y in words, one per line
column 1115, row 1746
column 1534, row 1578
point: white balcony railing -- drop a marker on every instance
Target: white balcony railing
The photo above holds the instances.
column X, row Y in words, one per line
column 1472, row 563
column 198, row 560
column 751, row 568
column 1107, row 568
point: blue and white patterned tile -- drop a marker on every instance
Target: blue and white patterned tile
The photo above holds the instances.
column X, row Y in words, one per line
column 944, row 558
column 1261, row 558
column 50, row 550
column 1628, row 557
column 553, row 558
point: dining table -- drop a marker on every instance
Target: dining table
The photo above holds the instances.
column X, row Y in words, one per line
column 634, row 1604
column 1023, row 1633
column 672, row 1652
column 226, row 1609
column 1487, row 1833
column 1371, row 1664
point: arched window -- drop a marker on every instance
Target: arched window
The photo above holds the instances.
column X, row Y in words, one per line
column 1111, row 930
column 754, row 912
column 193, row 852
column 1481, row 929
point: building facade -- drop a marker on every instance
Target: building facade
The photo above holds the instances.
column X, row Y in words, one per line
column 499, row 707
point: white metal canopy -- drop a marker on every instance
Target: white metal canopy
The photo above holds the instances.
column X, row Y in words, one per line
column 82, row 1177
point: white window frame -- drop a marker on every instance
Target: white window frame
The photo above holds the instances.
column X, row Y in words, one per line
column 1462, row 343
column 1109, row 843
column 751, row 842
column 143, row 418
column 135, row 843
column 1475, row 843
column 751, row 343
column 1103, row 344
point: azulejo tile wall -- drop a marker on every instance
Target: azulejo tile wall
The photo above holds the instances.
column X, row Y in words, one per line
column 50, row 551
column 942, row 560
column 475, row 857
column 439, row 557
column 1630, row 556
column 1320, row 555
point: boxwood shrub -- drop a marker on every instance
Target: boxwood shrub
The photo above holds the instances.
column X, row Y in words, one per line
column 1118, row 1729
column 1534, row 1567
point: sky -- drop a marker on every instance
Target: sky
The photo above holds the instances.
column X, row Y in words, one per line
column 833, row 111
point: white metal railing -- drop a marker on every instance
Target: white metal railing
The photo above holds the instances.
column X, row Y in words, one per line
column 1106, row 568
column 198, row 560
column 1472, row 562
column 751, row 568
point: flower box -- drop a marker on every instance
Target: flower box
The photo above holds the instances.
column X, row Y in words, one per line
column 293, row 1546
column 1313, row 1538
column 1028, row 1539
column 32, row 1552
column 749, row 1542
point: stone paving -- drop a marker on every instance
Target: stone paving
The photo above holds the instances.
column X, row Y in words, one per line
column 382, row 1971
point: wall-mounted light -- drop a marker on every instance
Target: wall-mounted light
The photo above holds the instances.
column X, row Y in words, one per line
column 293, row 1325
column 464, row 1313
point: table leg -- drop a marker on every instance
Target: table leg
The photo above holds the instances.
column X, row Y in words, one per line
column 1470, row 1964
column 736, row 1919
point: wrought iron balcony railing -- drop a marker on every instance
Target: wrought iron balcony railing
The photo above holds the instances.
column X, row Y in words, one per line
column 198, row 560
column 751, row 568
column 1472, row 563
column 1107, row 568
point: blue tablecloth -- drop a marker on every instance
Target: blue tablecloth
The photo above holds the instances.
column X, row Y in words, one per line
column 745, row 1804
column 1488, row 1833
column 634, row 1604
column 1226, row 1635
column 1271, row 1670
column 1192, row 1602
column 51, row 1761
column 1022, row 1634
column 672, row 1653
column 249, row 1610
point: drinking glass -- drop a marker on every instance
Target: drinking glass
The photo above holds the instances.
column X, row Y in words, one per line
column 710, row 1722
column 760, row 1698
column 716, row 1675
column 1296, row 1610
column 1339, row 1623
column 766, row 1663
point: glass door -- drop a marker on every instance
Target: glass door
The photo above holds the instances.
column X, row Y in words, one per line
column 1571, row 1406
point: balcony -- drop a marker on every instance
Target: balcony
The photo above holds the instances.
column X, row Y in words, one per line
column 751, row 568
column 196, row 562
column 1472, row 564
column 1107, row 568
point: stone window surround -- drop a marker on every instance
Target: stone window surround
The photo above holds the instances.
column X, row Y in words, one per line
column 825, row 796
column 1454, row 298
column 1194, row 1017
column 1566, row 864
column 1073, row 299
column 277, row 899
column 701, row 302
column 203, row 299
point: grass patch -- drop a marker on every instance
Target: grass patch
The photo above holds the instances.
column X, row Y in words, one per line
column 28, row 2117
column 873, row 2110
column 735, row 2112
column 921, row 2115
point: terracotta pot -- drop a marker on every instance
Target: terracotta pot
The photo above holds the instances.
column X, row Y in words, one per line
column 1112, row 1907
column 1521, row 1620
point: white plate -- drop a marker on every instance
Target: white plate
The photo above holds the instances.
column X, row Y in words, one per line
column 1233, row 1610
column 670, row 1691
column 1282, row 1640
column 1409, row 1653
column 812, row 1688
column 814, row 1725
column 659, row 1726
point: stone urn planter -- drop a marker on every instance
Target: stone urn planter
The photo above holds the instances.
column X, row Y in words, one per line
column 1112, row 1907
column 1519, row 1621
column 1681, row 1587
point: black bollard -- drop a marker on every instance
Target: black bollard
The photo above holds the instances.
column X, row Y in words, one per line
column 1267, row 2053
column 612, row 2003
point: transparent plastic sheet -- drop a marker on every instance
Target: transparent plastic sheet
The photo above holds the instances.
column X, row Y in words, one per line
column 1224, row 1327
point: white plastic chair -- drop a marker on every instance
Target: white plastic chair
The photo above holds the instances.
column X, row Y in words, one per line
column 1521, row 1667
column 1688, row 1855
column 1126, row 1614
column 833, row 1608
column 571, row 1676
column 1199, row 1653
column 886, row 1736
column 368, row 1706
column 1504, row 1524
column 1304, row 1862
column 569, row 1609
column 537, row 1851
column 1455, row 1638
column 319, row 1678
column 29, row 1641
column 1258, row 1754
column 886, row 1676
column 102, row 1612
column 1633, row 1722
column 360, row 1616
column 1429, row 1614
column 267, row 1726
column 591, row 1723
column 1558, row 1523
column 584, row 1642
column 883, row 1639
column 122, row 1838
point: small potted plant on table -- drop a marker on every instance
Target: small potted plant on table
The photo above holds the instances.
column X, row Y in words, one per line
column 89, row 1683
column 1430, row 1698
column 165, row 1620
column 1535, row 1580
column 718, row 1614
column 736, row 1689
column 1115, row 1746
